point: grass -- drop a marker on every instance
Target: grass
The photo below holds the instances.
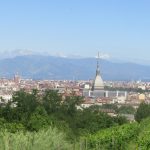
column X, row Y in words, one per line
column 50, row 139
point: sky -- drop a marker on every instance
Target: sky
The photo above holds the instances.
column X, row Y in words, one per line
column 119, row 29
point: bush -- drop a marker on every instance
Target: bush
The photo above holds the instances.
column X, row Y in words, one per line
column 11, row 127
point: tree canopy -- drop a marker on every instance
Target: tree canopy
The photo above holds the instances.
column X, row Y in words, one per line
column 35, row 110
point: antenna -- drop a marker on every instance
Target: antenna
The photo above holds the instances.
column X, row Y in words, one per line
column 97, row 69
column 98, row 58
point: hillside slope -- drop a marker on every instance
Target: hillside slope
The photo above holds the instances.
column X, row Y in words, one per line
column 50, row 67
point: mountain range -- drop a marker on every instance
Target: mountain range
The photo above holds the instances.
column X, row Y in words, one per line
column 52, row 67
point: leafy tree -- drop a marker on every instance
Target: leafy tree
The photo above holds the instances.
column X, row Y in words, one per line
column 24, row 104
column 120, row 120
column 110, row 106
column 51, row 101
column 39, row 119
column 104, row 106
column 36, row 110
column 126, row 110
column 142, row 112
column 69, row 105
column 8, row 113
column 88, row 121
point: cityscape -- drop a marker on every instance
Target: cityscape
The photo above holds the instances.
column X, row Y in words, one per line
column 75, row 75
column 94, row 92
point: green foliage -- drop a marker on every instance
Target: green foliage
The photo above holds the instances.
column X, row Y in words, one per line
column 89, row 121
column 21, row 107
column 110, row 106
column 42, row 140
column 35, row 111
column 143, row 140
column 126, row 137
column 39, row 119
column 51, row 101
column 70, row 103
column 137, row 90
column 10, row 127
column 115, row 138
column 120, row 120
column 126, row 110
column 104, row 106
column 142, row 112
column 14, row 127
column 8, row 113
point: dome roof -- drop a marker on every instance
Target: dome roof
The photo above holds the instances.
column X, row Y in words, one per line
column 98, row 83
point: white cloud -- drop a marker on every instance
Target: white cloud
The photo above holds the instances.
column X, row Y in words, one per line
column 60, row 54
column 103, row 56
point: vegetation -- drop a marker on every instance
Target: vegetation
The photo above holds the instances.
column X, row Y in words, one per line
column 137, row 90
column 34, row 111
column 42, row 140
column 126, row 110
column 47, row 121
column 142, row 112
column 143, row 140
column 125, row 137
column 113, row 138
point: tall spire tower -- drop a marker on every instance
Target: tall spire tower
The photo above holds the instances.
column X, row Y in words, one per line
column 97, row 69
column 98, row 83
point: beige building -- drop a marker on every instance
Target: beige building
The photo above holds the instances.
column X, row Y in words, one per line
column 142, row 97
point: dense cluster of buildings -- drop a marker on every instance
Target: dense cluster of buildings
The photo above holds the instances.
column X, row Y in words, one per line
column 94, row 92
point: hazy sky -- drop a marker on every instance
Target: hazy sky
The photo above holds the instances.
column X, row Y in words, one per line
column 120, row 28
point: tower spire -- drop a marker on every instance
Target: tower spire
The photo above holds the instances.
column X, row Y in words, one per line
column 97, row 69
column 98, row 82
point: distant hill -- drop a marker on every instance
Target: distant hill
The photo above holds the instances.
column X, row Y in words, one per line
column 50, row 67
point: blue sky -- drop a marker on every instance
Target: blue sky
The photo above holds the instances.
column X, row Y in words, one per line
column 119, row 28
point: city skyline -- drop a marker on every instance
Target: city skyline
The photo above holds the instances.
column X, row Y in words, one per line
column 119, row 30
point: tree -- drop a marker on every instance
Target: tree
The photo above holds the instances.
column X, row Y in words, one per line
column 142, row 112
column 89, row 121
column 126, row 110
column 120, row 120
column 69, row 105
column 39, row 119
column 110, row 106
column 51, row 101
column 24, row 104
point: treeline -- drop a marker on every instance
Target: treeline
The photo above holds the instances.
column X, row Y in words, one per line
column 34, row 111
column 36, row 121
column 137, row 90
column 124, row 109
